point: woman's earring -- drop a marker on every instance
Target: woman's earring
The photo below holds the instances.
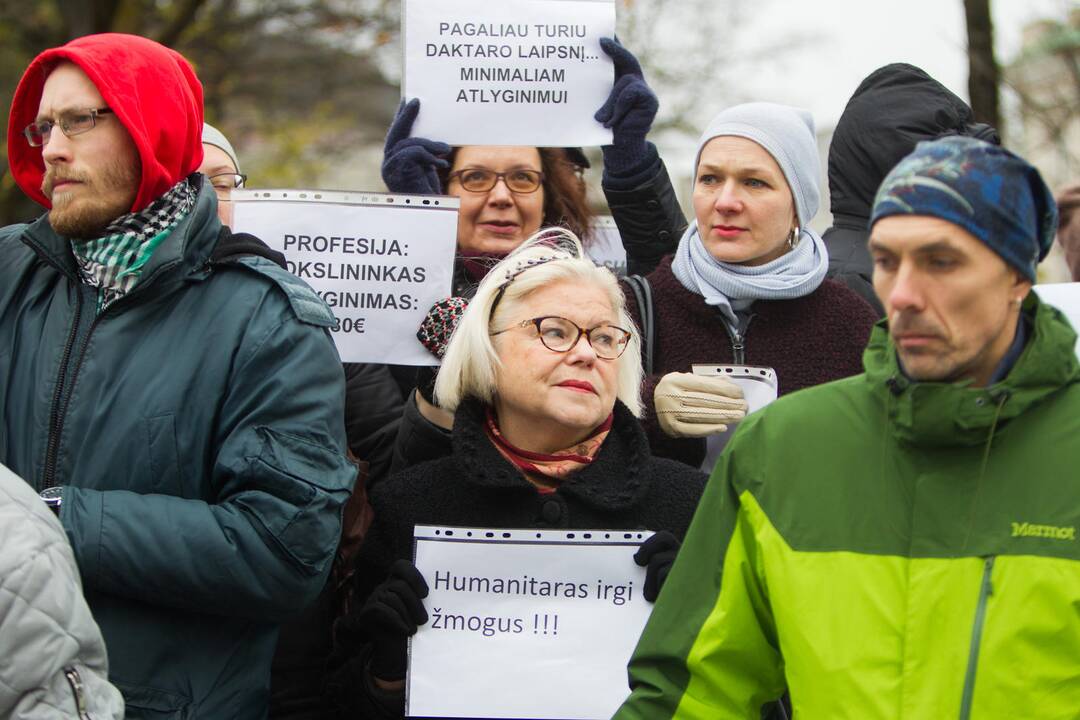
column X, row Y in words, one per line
column 793, row 238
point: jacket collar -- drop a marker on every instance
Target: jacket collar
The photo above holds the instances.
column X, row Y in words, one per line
column 616, row 479
column 186, row 249
column 942, row 414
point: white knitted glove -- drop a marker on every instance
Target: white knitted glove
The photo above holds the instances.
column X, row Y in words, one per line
column 689, row 405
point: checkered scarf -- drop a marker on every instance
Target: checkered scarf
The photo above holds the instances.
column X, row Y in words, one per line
column 113, row 262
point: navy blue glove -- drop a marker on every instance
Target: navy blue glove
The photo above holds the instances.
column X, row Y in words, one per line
column 629, row 112
column 390, row 616
column 409, row 163
column 656, row 555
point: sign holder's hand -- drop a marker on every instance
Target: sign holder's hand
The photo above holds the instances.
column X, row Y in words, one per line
column 629, row 112
column 411, row 164
column 656, row 555
column 689, row 405
column 390, row 616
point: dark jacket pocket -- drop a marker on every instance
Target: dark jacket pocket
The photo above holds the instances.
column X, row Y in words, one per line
column 144, row 703
column 296, row 492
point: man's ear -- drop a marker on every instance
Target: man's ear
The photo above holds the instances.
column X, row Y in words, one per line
column 1021, row 287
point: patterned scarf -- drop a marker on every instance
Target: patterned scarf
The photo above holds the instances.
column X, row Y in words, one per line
column 733, row 288
column 547, row 471
column 114, row 261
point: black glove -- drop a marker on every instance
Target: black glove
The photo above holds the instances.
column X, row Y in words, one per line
column 656, row 555
column 629, row 111
column 390, row 616
column 409, row 163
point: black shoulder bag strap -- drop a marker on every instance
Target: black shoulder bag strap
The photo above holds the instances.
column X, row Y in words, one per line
column 643, row 295
column 231, row 245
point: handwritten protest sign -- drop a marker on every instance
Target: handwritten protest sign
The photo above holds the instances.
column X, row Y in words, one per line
column 1066, row 298
column 525, row 623
column 605, row 245
column 515, row 72
column 379, row 261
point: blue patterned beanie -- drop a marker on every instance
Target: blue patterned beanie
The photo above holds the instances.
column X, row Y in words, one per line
column 993, row 194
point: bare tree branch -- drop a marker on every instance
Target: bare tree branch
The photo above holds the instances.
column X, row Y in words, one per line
column 181, row 21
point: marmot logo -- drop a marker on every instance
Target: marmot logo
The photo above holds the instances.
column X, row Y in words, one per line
column 1043, row 531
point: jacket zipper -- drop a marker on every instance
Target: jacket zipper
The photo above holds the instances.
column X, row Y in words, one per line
column 75, row 681
column 985, row 591
column 738, row 342
column 58, row 425
column 56, row 421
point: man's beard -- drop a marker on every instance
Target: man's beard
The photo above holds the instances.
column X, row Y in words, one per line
column 100, row 200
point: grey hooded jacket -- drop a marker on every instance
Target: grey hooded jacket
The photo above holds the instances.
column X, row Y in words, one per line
column 52, row 656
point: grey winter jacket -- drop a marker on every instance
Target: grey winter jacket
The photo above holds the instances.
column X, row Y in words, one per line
column 52, row 657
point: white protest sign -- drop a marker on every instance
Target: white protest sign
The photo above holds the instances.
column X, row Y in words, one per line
column 605, row 245
column 379, row 261
column 525, row 623
column 514, row 72
column 1066, row 298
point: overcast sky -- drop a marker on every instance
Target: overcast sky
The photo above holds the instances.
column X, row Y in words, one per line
column 850, row 38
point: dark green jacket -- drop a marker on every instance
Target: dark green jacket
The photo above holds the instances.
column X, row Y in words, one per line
column 196, row 426
column 885, row 550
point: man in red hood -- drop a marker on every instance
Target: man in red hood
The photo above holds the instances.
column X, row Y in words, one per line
column 177, row 402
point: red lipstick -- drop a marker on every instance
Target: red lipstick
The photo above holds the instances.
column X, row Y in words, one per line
column 580, row 385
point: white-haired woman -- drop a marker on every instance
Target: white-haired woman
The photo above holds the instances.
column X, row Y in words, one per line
column 543, row 375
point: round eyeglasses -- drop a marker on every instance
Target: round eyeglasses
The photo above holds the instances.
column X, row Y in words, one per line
column 71, row 123
column 560, row 335
column 522, row 181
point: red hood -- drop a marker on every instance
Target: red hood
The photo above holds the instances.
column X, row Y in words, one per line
column 152, row 90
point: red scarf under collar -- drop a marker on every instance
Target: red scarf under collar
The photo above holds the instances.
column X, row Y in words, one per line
column 547, row 471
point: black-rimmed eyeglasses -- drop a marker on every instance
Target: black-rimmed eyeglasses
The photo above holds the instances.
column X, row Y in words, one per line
column 560, row 335
column 521, row 181
column 71, row 123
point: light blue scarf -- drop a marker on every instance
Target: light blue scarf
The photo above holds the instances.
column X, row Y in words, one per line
column 733, row 288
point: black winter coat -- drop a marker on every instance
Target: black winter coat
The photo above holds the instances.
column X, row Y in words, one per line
column 648, row 216
column 624, row 488
column 650, row 224
column 373, row 404
column 893, row 109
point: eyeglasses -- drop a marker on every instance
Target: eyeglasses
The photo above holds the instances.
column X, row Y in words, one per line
column 71, row 123
column 482, row 180
column 225, row 183
column 560, row 335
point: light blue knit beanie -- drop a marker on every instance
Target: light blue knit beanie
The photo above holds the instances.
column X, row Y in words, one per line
column 787, row 133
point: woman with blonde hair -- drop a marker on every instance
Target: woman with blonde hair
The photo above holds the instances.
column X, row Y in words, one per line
column 543, row 375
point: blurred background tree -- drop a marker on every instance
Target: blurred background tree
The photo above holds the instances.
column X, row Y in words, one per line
column 984, row 74
column 305, row 89
column 1043, row 82
column 291, row 82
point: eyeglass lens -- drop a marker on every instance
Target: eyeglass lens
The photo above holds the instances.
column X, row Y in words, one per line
column 70, row 123
column 559, row 334
column 482, row 180
column 225, row 183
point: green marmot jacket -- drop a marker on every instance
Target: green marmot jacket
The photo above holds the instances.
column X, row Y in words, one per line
column 885, row 549
column 197, row 428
